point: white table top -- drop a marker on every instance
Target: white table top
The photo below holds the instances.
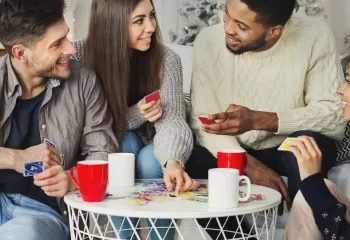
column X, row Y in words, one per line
column 177, row 208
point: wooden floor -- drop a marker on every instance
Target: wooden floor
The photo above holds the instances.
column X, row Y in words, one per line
column 2, row 52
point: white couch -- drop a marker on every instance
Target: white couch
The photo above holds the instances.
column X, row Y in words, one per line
column 339, row 175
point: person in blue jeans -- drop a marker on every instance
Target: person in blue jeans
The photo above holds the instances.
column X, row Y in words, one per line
column 43, row 96
column 147, row 167
column 124, row 48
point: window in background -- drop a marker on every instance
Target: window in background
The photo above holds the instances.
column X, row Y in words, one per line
column 198, row 14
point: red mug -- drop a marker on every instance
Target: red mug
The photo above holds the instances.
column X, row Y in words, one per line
column 92, row 179
column 236, row 159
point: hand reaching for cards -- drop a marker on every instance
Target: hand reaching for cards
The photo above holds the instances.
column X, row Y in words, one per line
column 151, row 111
column 235, row 120
column 55, row 182
column 308, row 155
column 43, row 152
column 175, row 172
column 260, row 174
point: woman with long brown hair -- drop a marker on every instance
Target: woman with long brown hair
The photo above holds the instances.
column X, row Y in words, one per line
column 124, row 47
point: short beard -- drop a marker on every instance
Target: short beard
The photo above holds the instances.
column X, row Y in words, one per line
column 259, row 43
column 47, row 72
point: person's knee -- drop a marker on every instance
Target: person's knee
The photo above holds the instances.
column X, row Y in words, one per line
column 33, row 228
column 319, row 138
column 147, row 165
column 308, row 133
column 131, row 143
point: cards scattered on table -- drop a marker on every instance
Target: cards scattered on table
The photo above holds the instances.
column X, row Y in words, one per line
column 155, row 96
column 196, row 199
column 285, row 145
column 33, row 168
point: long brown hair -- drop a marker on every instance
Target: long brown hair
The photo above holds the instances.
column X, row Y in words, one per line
column 126, row 75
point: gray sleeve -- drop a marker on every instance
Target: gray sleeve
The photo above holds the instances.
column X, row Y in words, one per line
column 173, row 139
column 134, row 118
column 98, row 138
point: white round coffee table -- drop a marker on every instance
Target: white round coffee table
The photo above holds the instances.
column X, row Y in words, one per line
column 86, row 219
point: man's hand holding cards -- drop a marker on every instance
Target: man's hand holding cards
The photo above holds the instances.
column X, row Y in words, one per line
column 150, row 107
column 206, row 120
column 49, row 157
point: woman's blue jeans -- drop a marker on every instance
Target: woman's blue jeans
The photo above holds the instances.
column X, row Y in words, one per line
column 147, row 166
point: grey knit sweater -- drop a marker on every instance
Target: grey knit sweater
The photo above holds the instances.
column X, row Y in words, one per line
column 173, row 138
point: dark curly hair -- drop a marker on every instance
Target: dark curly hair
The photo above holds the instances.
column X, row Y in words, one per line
column 271, row 12
column 25, row 21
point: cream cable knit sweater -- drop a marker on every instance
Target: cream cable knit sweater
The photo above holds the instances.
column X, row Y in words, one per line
column 297, row 78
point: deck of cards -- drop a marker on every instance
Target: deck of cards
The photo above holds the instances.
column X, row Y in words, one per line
column 32, row 168
column 285, row 145
column 155, row 96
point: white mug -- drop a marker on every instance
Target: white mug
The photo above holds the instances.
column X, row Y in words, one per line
column 223, row 188
column 121, row 169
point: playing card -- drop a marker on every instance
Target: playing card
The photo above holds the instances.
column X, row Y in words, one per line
column 33, row 168
column 148, row 181
column 285, row 145
column 144, row 198
column 160, row 184
column 155, row 96
column 205, row 120
column 202, row 200
column 256, row 197
column 48, row 142
column 161, row 199
column 155, row 191
column 182, row 194
column 202, row 193
column 148, row 185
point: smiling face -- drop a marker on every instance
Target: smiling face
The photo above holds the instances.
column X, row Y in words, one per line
column 243, row 32
column 49, row 58
column 142, row 25
column 344, row 92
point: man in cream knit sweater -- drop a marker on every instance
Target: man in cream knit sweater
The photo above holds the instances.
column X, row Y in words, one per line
column 265, row 75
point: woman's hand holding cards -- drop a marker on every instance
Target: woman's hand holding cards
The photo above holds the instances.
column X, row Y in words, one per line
column 42, row 152
column 175, row 172
column 151, row 111
column 308, row 155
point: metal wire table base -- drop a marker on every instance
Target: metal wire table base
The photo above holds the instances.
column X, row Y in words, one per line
column 95, row 226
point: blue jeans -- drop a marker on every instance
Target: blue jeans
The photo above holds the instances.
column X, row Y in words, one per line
column 25, row 218
column 147, row 166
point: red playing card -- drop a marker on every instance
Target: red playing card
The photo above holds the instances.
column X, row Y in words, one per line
column 155, row 96
column 205, row 120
